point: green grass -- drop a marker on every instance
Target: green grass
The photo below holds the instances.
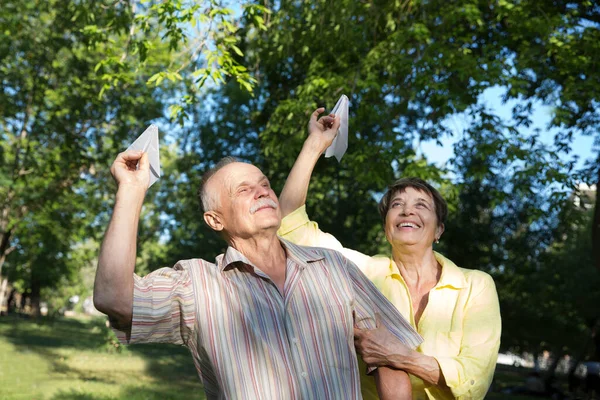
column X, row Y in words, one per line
column 76, row 359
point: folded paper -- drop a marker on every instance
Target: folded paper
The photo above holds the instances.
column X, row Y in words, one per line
column 148, row 142
column 340, row 143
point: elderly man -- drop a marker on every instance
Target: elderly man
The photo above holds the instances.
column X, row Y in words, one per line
column 268, row 319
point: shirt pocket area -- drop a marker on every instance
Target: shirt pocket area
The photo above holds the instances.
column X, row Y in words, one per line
column 448, row 343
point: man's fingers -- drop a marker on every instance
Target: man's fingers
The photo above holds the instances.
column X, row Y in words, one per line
column 130, row 155
column 144, row 164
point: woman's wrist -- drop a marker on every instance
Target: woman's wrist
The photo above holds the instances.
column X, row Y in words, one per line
column 313, row 146
column 403, row 359
column 418, row 364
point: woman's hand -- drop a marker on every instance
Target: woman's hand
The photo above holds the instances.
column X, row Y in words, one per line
column 322, row 130
column 378, row 347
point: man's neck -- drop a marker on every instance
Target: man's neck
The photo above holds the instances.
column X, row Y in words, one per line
column 264, row 251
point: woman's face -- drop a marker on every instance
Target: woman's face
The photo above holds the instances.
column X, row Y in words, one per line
column 411, row 219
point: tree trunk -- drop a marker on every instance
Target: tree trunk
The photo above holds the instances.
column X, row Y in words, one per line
column 596, row 223
column 35, row 298
column 536, row 361
column 3, row 301
column 551, row 373
column 5, row 248
column 596, row 340
column 580, row 357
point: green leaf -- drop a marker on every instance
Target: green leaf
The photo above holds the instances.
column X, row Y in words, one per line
column 237, row 50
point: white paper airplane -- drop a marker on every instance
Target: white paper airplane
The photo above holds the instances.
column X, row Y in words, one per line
column 340, row 143
column 148, row 142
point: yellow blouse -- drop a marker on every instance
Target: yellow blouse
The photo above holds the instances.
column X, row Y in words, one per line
column 460, row 326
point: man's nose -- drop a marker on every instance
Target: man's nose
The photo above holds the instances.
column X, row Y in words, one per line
column 262, row 191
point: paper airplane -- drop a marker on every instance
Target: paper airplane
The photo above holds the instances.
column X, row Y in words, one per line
column 148, row 142
column 340, row 143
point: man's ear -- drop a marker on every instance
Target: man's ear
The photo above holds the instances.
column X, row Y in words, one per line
column 213, row 220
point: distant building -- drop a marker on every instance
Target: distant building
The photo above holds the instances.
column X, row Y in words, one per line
column 585, row 196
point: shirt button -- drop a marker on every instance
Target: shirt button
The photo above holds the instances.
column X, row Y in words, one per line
column 472, row 382
column 304, row 374
column 295, row 341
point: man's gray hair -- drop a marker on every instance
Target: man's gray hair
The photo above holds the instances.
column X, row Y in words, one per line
column 209, row 200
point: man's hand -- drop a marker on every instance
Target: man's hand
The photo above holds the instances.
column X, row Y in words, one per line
column 322, row 130
column 126, row 170
column 378, row 347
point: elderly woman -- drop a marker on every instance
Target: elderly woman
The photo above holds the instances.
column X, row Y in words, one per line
column 454, row 309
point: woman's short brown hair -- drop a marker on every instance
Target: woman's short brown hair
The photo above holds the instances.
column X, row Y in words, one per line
column 441, row 207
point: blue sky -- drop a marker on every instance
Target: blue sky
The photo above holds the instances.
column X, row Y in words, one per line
column 492, row 98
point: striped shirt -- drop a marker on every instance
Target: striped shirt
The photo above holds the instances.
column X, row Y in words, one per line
column 250, row 341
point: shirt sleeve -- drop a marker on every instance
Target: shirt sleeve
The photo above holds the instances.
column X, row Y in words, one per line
column 470, row 373
column 163, row 308
column 369, row 301
column 297, row 228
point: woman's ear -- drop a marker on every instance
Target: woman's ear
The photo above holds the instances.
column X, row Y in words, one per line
column 439, row 231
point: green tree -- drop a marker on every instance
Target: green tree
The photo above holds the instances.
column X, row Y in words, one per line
column 408, row 67
column 79, row 82
column 58, row 134
column 509, row 221
column 201, row 40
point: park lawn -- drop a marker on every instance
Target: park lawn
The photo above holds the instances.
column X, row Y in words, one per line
column 80, row 359
column 77, row 359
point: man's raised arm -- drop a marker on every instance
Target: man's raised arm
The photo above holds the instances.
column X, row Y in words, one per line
column 321, row 134
column 113, row 287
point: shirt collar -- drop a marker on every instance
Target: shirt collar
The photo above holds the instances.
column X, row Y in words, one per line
column 300, row 254
column 451, row 276
column 231, row 256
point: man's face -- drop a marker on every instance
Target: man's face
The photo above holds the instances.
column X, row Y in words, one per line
column 411, row 219
column 247, row 205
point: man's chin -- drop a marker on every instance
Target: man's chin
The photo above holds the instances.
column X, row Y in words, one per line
column 268, row 222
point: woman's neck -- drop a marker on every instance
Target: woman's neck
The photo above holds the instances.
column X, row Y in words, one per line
column 417, row 266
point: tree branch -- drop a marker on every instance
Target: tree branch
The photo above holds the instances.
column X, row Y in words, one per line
column 131, row 30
